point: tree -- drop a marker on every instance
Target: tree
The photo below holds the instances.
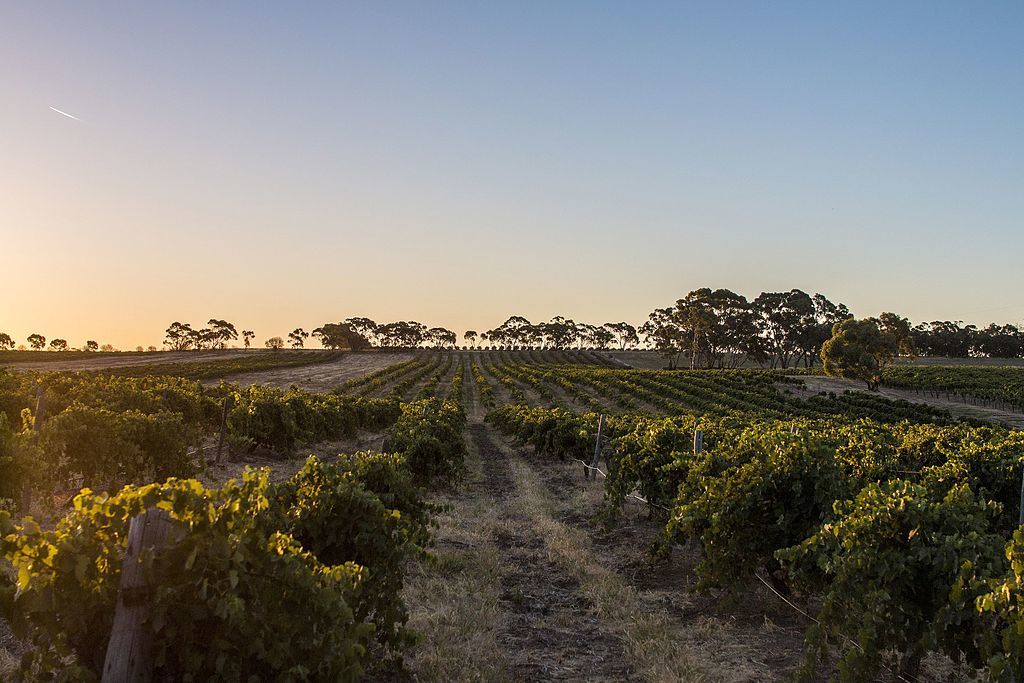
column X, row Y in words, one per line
column 59, row 345
column 91, row 346
column 782, row 321
column 247, row 336
column 221, row 332
column 297, row 337
column 6, row 342
column 365, row 328
column 470, row 336
column 340, row 336
column 858, row 349
column 441, row 337
column 516, row 331
column 36, row 341
column 275, row 343
column 178, row 336
column 402, row 334
column 948, row 338
column 814, row 335
column 625, row 334
column 718, row 325
column 663, row 333
column 898, row 330
column 108, row 348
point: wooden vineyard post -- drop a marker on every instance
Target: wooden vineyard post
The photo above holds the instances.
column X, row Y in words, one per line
column 37, row 426
column 592, row 470
column 1020, row 520
column 130, row 650
column 228, row 401
column 698, row 441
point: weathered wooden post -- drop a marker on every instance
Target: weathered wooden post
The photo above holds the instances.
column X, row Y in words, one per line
column 228, row 402
column 597, row 450
column 1020, row 520
column 130, row 650
column 698, row 441
column 37, row 426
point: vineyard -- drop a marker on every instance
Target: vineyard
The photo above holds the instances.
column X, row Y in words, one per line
column 509, row 515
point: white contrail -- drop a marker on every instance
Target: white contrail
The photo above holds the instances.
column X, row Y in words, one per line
column 65, row 114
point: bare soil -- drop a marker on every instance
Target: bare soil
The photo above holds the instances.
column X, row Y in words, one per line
column 322, row 376
column 550, row 629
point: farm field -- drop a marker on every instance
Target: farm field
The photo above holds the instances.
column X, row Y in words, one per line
column 537, row 571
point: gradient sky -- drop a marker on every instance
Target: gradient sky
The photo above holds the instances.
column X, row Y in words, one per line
column 455, row 163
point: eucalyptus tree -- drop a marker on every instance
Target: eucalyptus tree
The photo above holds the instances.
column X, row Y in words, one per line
column 441, row 337
column 781, row 321
column 664, row 333
column 178, row 336
column 859, row 349
column 92, row 345
column 340, row 336
column 298, row 337
column 365, row 328
column 36, row 341
column 718, row 325
column 247, row 337
column 59, row 345
column 470, row 337
column 6, row 342
column 219, row 332
column 624, row 334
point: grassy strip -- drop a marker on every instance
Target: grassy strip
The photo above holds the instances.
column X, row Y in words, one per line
column 649, row 636
column 453, row 599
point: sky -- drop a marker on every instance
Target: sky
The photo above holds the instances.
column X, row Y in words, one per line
column 283, row 165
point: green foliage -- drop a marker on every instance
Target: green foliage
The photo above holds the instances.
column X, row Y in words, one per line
column 339, row 520
column 886, row 567
column 763, row 490
column 859, row 349
column 100, row 448
column 281, row 420
column 236, row 597
column 429, row 434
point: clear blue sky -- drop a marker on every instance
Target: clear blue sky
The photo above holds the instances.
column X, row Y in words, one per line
column 281, row 164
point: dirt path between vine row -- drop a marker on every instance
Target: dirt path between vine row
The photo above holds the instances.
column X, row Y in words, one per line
column 322, row 376
column 525, row 586
column 815, row 384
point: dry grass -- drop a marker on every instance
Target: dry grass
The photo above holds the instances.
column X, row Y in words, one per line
column 454, row 599
column 649, row 636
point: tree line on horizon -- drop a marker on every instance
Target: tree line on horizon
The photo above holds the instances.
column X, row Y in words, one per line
column 711, row 328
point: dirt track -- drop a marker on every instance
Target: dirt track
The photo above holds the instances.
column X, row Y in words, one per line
column 322, row 376
column 816, row 384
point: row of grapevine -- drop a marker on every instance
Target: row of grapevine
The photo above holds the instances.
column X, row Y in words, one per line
column 906, row 533
column 102, row 431
column 298, row 580
column 1001, row 387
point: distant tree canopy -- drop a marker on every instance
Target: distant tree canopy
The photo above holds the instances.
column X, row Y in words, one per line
column 92, row 345
column 36, row 341
column 59, row 345
column 860, row 349
column 6, row 342
column 182, row 336
column 297, row 337
column 341, row 335
column 274, row 343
